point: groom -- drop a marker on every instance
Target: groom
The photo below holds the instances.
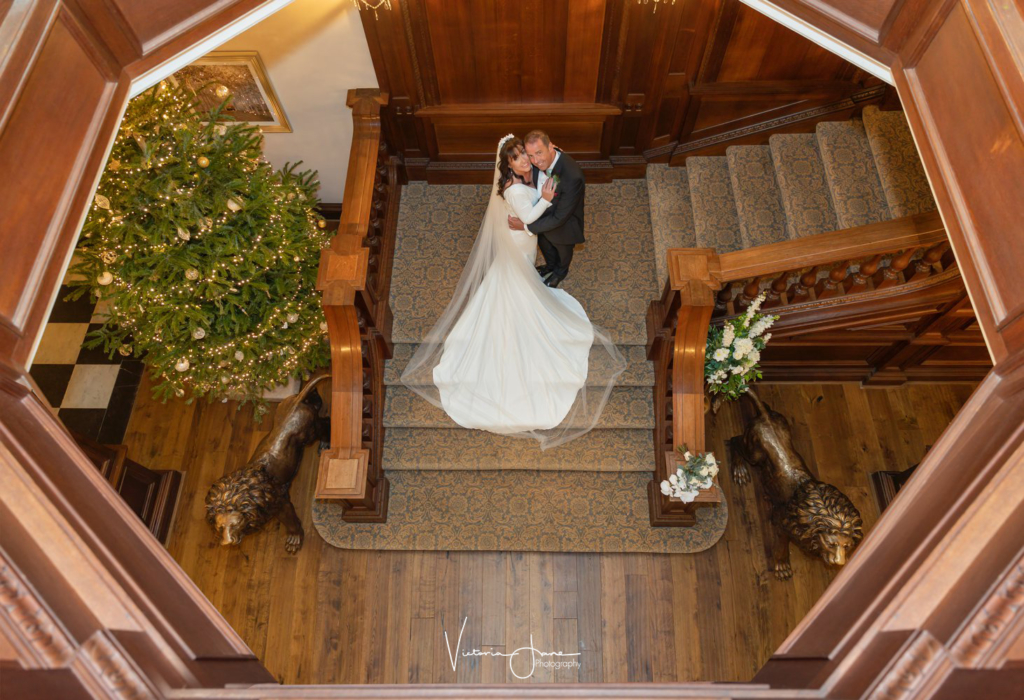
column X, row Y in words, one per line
column 561, row 226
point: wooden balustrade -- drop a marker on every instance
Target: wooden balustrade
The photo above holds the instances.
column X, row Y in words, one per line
column 854, row 261
column 355, row 275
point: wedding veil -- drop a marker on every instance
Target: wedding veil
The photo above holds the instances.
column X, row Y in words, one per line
column 494, row 250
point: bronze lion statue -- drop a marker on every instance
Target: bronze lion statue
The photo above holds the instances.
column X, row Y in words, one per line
column 242, row 502
column 817, row 517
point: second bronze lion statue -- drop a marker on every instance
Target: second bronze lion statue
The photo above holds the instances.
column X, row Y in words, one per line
column 817, row 517
column 242, row 502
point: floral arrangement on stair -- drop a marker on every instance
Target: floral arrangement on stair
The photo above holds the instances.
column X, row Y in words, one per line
column 694, row 473
column 204, row 256
column 733, row 351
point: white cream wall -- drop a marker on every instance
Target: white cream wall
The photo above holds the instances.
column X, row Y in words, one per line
column 314, row 51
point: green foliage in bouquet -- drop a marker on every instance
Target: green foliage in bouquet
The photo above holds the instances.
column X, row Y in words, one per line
column 204, row 257
column 733, row 351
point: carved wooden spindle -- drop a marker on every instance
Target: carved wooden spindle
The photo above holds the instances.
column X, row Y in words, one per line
column 925, row 265
column 749, row 293
column 830, row 286
column 722, row 300
column 859, row 281
column 776, row 292
column 800, row 290
column 890, row 276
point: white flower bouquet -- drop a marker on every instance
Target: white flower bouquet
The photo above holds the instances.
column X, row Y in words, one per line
column 694, row 473
column 733, row 351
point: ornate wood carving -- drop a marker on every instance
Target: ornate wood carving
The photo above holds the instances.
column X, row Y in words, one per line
column 28, row 625
column 992, row 627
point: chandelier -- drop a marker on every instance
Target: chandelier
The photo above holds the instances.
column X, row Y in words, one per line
column 656, row 3
column 379, row 5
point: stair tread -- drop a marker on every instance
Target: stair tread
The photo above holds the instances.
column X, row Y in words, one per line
column 851, row 173
column 715, row 221
column 758, row 200
column 671, row 214
column 639, row 370
column 802, row 185
column 627, row 407
column 519, row 510
column 421, row 449
column 899, row 166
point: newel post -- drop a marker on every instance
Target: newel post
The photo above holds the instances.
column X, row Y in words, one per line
column 688, row 303
column 348, row 471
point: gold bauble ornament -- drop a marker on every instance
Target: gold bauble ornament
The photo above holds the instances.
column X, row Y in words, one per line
column 181, row 365
column 105, row 278
column 125, row 350
column 222, row 91
column 108, row 256
column 321, row 223
column 198, row 334
column 192, row 273
column 101, row 201
column 203, row 161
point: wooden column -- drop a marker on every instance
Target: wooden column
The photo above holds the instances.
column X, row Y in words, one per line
column 348, row 471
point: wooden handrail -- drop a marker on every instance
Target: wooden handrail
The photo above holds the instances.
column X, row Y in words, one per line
column 358, row 324
column 910, row 232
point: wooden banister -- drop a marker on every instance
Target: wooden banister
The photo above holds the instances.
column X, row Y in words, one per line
column 358, row 323
column 677, row 334
column 703, row 284
column 921, row 230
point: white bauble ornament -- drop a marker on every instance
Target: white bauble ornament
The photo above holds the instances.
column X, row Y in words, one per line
column 284, row 326
column 105, row 278
column 199, row 334
column 296, row 258
column 183, row 234
column 234, row 204
column 179, row 392
column 323, row 326
column 181, row 365
column 192, row 273
column 292, row 318
column 239, row 355
column 225, row 379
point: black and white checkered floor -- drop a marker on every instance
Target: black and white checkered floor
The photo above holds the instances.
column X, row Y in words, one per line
column 92, row 394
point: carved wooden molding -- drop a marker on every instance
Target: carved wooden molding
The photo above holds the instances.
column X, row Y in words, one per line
column 920, row 659
column 989, row 630
column 29, row 624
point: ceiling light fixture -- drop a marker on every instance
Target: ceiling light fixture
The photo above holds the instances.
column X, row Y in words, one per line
column 376, row 5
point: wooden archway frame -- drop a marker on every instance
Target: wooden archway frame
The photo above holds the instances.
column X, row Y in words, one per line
column 928, row 605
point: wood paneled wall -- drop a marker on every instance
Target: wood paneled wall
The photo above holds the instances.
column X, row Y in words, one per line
column 615, row 83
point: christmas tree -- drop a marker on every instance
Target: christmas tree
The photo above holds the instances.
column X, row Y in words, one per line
column 205, row 255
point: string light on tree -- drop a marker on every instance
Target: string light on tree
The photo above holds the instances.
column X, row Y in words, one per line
column 206, row 256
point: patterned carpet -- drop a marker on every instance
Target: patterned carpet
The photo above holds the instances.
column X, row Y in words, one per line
column 519, row 511
column 612, row 274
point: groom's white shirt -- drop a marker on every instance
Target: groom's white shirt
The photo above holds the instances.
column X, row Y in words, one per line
column 542, row 177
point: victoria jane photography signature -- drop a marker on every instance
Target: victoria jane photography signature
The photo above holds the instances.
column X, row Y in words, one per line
column 537, row 657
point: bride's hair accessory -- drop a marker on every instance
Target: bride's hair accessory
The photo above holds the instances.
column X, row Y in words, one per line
column 505, row 139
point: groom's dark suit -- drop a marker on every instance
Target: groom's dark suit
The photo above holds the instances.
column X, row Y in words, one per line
column 561, row 226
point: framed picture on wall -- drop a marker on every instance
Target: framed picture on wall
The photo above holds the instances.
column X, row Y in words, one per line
column 242, row 75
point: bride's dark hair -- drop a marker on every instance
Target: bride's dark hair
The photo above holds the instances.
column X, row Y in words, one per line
column 506, row 176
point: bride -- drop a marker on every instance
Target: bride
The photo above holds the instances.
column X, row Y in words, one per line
column 509, row 354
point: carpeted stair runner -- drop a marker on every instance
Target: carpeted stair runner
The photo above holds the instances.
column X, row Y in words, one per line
column 845, row 174
column 458, row 489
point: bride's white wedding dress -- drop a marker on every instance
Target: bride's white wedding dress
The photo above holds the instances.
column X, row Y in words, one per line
column 510, row 364
column 510, row 355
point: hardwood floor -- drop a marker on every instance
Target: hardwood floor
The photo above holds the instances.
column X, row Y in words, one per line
column 336, row 616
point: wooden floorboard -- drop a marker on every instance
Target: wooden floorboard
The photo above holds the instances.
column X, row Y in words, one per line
column 335, row 616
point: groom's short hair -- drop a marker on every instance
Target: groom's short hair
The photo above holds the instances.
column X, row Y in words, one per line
column 537, row 135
